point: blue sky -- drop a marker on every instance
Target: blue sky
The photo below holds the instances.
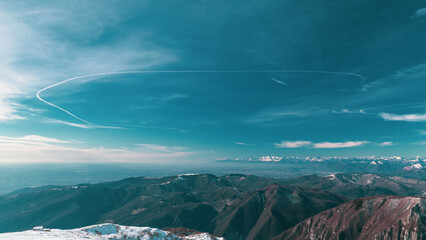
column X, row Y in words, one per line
column 160, row 81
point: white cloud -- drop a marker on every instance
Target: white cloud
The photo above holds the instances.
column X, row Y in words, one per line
column 42, row 139
column 292, row 144
column 299, row 144
column 8, row 109
column 32, row 140
column 420, row 12
column 13, row 82
column 404, row 117
column 343, row 111
column 385, row 144
column 34, row 54
column 340, row 144
column 34, row 148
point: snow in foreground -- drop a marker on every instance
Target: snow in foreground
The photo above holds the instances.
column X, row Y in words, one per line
column 104, row 231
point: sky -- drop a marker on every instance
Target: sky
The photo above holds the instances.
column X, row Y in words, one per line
column 186, row 81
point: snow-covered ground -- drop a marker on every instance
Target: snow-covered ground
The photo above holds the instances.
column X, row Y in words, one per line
column 103, row 231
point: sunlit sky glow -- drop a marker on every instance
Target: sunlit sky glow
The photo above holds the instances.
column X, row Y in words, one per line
column 158, row 81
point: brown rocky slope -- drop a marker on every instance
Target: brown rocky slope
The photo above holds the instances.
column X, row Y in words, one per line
column 385, row 217
column 271, row 210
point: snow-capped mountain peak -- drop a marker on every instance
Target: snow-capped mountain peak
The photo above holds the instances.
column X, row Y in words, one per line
column 270, row 159
column 417, row 166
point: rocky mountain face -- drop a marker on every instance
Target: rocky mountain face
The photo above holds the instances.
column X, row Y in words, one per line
column 234, row 206
column 390, row 217
column 264, row 213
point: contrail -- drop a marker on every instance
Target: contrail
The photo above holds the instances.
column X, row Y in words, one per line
column 186, row 71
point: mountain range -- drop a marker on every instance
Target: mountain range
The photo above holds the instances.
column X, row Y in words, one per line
column 414, row 167
column 234, row 206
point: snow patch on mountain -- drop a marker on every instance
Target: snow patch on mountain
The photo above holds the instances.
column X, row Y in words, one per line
column 103, row 231
column 331, row 176
column 414, row 167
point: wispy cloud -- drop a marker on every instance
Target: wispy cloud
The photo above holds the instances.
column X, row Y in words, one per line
column 340, row 144
column 13, row 82
column 34, row 148
column 159, row 148
column 34, row 55
column 269, row 116
column 296, row 108
column 385, row 144
column 279, row 81
column 420, row 13
column 9, row 109
column 395, row 86
column 361, row 111
column 243, row 143
column 85, row 126
column 32, row 139
column 374, row 84
column 403, row 117
column 292, row 144
column 164, row 99
column 422, row 132
column 172, row 97
column 299, row 144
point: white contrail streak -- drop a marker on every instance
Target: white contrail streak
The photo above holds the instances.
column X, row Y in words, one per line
column 185, row 71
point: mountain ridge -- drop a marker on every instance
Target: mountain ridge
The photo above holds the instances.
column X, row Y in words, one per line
column 204, row 202
column 383, row 217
